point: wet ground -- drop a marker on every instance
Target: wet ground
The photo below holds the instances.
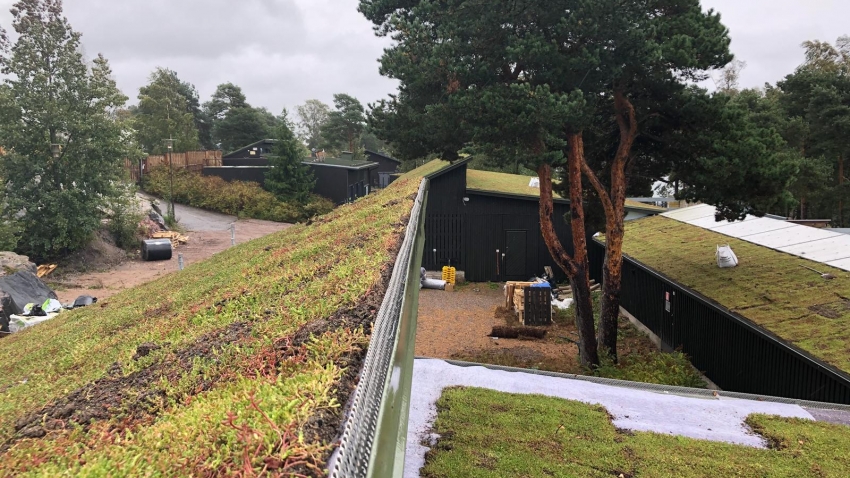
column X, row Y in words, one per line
column 208, row 232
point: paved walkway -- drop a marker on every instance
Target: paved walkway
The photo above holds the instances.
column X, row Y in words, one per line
column 716, row 418
column 191, row 218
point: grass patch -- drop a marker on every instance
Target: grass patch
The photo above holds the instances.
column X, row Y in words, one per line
column 768, row 287
column 211, row 370
column 492, row 434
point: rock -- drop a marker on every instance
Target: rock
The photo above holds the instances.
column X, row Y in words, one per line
column 158, row 220
column 11, row 263
column 25, row 287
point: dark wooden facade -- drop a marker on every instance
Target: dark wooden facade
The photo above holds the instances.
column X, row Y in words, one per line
column 342, row 184
column 387, row 165
column 339, row 183
column 489, row 236
column 254, row 174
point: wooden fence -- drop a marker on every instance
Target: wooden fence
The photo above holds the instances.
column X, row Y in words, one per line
column 191, row 160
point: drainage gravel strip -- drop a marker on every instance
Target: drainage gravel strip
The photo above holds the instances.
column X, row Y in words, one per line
column 707, row 418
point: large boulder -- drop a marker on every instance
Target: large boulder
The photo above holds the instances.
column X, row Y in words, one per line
column 11, row 263
column 24, row 287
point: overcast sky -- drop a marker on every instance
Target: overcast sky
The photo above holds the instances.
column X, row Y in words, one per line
column 283, row 52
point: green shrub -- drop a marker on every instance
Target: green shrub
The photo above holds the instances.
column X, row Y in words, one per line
column 10, row 232
column 318, row 206
column 124, row 220
column 237, row 198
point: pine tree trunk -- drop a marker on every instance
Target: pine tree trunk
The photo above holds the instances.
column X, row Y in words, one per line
column 576, row 267
column 612, row 274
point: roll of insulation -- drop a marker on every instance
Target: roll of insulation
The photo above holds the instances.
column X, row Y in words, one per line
column 156, row 250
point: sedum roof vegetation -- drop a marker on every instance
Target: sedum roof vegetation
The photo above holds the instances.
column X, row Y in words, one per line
column 516, row 184
column 483, row 433
column 769, row 287
column 240, row 362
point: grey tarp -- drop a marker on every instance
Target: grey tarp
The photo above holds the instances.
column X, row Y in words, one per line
column 25, row 287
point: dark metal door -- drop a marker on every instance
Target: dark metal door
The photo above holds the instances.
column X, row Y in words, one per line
column 516, row 251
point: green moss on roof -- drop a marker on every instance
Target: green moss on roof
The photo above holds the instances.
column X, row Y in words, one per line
column 505, row 183
column 428, row 168
column 342, row 162
column 501, row 183
column 769, row 287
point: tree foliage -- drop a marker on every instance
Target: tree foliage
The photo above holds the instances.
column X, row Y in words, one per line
column 235, row 123
column 345, row 123
column 599, row 88
column 312, row 116
column 165, row 112
column 815, row 99
column 288, row 178
column 50, row 95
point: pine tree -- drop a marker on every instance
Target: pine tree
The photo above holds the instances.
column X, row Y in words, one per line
column 289, row 179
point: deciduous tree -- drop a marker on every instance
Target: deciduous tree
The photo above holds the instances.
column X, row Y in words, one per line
column 51, row 95
column 312, row 116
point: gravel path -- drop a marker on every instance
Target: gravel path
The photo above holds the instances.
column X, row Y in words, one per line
column 717, row 419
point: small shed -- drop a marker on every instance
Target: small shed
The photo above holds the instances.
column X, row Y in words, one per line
column 342, row 180
column 387, row 166
column 488, row 225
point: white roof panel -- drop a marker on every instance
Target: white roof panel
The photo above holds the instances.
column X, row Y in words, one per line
column 790, row 236
column 752, row 225
column 709, row 222
column 691, row 213
column 825, row 250
column 819, row 245
column 842, row 264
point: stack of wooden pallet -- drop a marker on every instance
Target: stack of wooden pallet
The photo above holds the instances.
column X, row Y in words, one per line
column 511, row 290
column 175, row 237
column 515, row 298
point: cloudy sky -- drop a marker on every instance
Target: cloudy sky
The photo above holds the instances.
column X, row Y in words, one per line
column 283, row 52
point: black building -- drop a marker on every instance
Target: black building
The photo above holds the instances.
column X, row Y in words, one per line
column 488, row 225
column 342, row 180
column 255, row 154
column 387, row 165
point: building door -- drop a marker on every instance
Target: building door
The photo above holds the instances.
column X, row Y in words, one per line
column 516, row 251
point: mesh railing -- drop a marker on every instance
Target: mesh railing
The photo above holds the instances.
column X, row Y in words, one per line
column 376, row 423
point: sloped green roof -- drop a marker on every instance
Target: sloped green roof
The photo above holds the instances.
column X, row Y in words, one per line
column 517, row 185
column 769, row 287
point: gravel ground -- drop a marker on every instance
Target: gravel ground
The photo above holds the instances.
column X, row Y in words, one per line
column 456, row 325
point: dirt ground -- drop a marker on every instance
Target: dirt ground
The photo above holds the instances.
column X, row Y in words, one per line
column 456, row 325
column 124, row 274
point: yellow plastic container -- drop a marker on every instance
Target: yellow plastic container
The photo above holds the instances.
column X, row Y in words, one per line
column 449, row 274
